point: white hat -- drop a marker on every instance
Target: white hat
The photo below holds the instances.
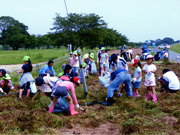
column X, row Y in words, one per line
column 149, row 57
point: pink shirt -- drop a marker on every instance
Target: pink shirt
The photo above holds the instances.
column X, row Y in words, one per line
column 65, row 78
column 70, row 87
column 71, row 61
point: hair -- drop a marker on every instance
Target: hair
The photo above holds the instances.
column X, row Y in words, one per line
column 139, row 64
column 30, row 65
column 50, row 61
column 68, row 67
column 165, row 71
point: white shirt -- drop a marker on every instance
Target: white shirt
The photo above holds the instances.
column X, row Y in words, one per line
column 76, row 63
column 172, row 79
column 137, row 57
column 130, row 51
column 148, row 68
column 121, row 63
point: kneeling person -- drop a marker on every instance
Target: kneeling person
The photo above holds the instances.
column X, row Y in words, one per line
column 6, row 84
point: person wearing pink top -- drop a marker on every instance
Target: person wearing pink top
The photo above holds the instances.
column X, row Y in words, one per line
column 61, row 91
column 71, row 59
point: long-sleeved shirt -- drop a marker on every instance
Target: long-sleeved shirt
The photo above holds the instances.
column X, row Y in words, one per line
column 113, row 76
column 70, row 87
column 71, row 74
column 47, row 69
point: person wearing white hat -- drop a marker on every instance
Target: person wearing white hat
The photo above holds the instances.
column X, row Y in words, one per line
column 149, row 69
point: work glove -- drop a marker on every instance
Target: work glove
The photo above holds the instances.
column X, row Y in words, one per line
column 159, row 78
column 77, row 106
column 134, row 80
column 1, row 90
column 104, row 63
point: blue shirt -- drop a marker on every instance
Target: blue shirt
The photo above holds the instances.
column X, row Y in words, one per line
column 122, row 48
column 161, row 52
column 113, row 76
column 136, row 74
column 47, row 69
column 145, row 50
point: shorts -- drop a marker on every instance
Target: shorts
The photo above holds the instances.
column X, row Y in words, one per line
column 26, row 86
column 136, row 84
column 104, row 65
column 76, row 69
column 60, row 91
column 149, row 83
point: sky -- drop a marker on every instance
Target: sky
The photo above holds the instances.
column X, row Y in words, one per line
column 138, row 20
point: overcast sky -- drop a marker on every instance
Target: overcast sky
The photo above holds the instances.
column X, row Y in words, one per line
column 139, row 20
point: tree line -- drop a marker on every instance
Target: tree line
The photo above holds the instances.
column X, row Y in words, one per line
column 79, row 30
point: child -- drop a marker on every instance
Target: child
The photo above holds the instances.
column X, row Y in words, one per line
column 130, row 51
column 26, row 77
column 71, row 60
column 61, row 91
column 149, row 69
column 103, row 60
column 137, row 77
column 137, row 57
column 6, row 84
column 76, row 62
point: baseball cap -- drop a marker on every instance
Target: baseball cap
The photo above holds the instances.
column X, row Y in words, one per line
column 60, row 74
column 76, row 80
column 75, row 52
column 70, row 53
column 84, row 64
column 103, row 48
column 7, row 77
column 26, row 58
column 133, row 61
column 92, row 55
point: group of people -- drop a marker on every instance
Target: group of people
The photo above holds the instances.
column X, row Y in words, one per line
column 58, row 86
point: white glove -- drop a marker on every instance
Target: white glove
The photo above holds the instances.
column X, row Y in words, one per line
column 134, row 80
column 104, row 63
column 1, row 90
column 77, row 106
column 48, row 75
column 159, row 78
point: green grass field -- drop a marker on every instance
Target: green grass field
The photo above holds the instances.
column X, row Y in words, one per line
column 175, row 48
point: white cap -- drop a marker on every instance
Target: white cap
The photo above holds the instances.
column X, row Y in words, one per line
column 149, row 57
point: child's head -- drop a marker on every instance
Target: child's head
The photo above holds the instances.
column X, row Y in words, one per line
column 68, row 68
column 26, row 59
column 6, row 78
column 103, row 49
column 75, row 53
column 75, row 81
column 129, row 47
column 165, row 71
column 134, row 63
column 84, row 64
column 71, row 54
column 149, row 59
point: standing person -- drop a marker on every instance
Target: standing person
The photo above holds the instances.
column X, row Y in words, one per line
column 76, row 62
column 137, row 77
column 130, row 51
column 47, row 69
column 71, row 59
column 2, row 72
column 149, row 69
column 6, row 84
column 119, row 77
column 161, row 54
column 98, row 59
column 137, row 57
column 169, row 81
column 61, row 91
column 103, row 61
column 165, row 49
column 26, row 77
column 122, row 50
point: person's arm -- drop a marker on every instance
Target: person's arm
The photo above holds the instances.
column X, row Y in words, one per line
column 73, row 94
column 52, row 69
column 22, row 71
column 106, row 58
column 43, row 70
column 154, row 69
column 140, row 74
column 75, row 59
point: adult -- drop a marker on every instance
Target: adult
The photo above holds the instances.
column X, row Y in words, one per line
column 145, row 52
column 161, row 54
column 76, row 62
column 26, row 77
column 2, row 72
column 130, row 51
column 137, row 57
column 47, row 69
column 6, row 84
column 88, row 59
column 165, row 49
column 118, row 77
column 103, row 60
column 68, row 71
column 61, row 91
column 169, row 81
column 123, row 49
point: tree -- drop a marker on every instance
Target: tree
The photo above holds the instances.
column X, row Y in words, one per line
column 77, row 25
column 10, row 29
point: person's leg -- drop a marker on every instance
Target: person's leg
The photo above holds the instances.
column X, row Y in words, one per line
column 101, row 69
column 20, row 93
column 136, row 91
column 71, row 106
column 164, row 83
column 154, row 99
column 28, row 89
column 51, row 108
column 147, row 93
column 105, row 69
column 127, row 82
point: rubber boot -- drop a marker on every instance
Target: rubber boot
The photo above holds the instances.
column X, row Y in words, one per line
column 72, row 111
column 134, row 94
column 51, row 110
column 108, row 102
column 147, row 96
column 154, row 99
